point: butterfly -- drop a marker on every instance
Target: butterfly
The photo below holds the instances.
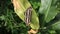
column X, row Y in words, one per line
column 28, row 14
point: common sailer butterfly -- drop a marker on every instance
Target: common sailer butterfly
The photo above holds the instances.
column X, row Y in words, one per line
column 28, row 14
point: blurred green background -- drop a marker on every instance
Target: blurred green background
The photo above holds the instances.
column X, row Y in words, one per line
column 10, row 23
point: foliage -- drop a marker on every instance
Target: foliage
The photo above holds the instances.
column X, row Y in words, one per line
column 48, row 12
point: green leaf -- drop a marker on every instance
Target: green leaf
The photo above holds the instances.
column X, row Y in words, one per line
column 56, row 26
column 35, row 4
column 20, row 6
column 48, row 10
column 52, row 31
column 2, row 17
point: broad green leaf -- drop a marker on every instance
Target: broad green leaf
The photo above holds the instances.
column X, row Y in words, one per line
column 48, row 10
column 56, row 26
column 20, row 6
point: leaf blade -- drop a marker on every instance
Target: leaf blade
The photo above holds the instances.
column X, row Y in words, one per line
column 56, row 26
column 46, row 9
